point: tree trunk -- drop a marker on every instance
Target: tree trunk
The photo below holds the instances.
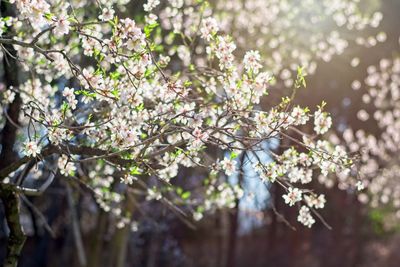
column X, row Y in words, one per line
column 10, row 66
column 234, row 224
column 80, row 249
column 120, row 241
column 16, row 237
column 97, row 240
column 8, row 135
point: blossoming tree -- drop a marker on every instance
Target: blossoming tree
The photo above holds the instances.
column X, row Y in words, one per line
column 291, row 33
column 377, row 148
column 96, row 95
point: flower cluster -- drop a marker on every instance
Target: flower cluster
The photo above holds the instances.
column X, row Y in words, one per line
column 305, row 217
column 69, row 94
column 378, row 166
column 66, row 167
column 322, row 122
column 209, row 28
column 149, row 100
column 250, row 28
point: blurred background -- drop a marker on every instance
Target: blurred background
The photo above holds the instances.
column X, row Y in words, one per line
column 260, row 230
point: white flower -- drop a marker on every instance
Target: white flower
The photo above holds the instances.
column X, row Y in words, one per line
column 152, row 194
column 107, row 14
column 151, row 4
column 66, row 168
column 305, row 217
column 57, row 135
column 200, row 135
column 151, row 18
column 229, row 166
column 224, row 52
column 307, row 177
column 123, row 222
column 136, row 42
column 69, row 94
column 293, row 196
column 316, row 202
column 128, row 179
column 164, row 60
column 322, row 122
column 61, row 26
column 360, row 185
column 297, row 174
column 299, row 115
column 197, row 216
column 9, row 96
column 34, row 11
column 251, row 61
column 209, row 27
column 31, row 149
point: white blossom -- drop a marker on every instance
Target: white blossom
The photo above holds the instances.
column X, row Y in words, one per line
column 62, row 25
column 31, row 149
column 294, row 195
column 229, row 166
column 305, row 217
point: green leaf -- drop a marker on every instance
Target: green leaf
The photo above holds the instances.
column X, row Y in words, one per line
column 115, row 93
column 185, row 195
column 49, row 16
column 135, row 171
column 233, row 155
column 140, row 107
column 148, row 29
column 179, row 190
column 64, row 107
column 300, row 79
column 115, row 75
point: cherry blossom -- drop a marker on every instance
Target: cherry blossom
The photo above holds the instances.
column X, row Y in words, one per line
column 314, row 201
column 251, row 61
column 322, row 122
column 61, row 25
column 294, row 195
column 107, row 13
column 66, row 167
column 70, row 95
column 305, row 217
column 228, row 165
column 124, row 103
column 31, row 149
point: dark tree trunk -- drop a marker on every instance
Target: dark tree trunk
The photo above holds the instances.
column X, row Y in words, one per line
column 120, row 241
column 8, row 135
column 16, row 237
column 97, row 241
column 10, row 66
